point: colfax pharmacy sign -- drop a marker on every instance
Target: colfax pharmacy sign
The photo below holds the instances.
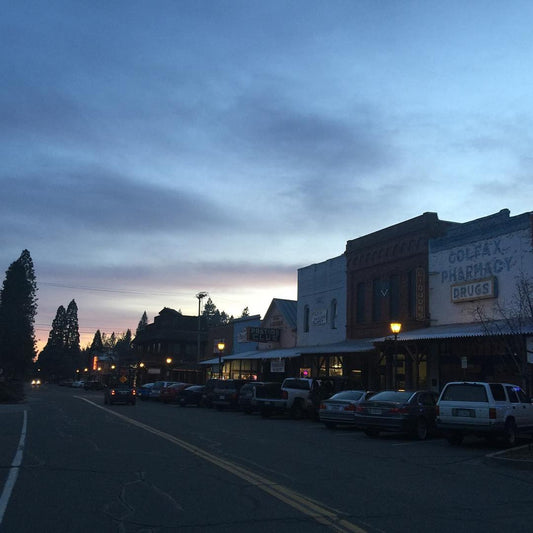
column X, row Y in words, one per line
column 474, row 290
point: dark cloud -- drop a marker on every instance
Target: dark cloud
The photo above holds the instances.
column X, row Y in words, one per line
column 100, row 201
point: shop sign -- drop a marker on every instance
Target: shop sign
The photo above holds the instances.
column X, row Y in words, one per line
column 277, row 365
column 420, row 294
column 319, row 318
column 474, row 290
column 256, row 334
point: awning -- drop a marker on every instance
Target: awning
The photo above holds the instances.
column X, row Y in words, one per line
column 476, row 329
column 348, row 346
column 213, row 361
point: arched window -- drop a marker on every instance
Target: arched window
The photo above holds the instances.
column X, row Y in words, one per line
column 306, row 318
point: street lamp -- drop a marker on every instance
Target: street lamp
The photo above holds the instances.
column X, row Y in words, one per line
column 221, row 345
column 395, row 327
column 201, row 295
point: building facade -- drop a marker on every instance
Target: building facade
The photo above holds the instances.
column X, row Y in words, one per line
column 387, row 281
column 481, row 274
column 168, row 348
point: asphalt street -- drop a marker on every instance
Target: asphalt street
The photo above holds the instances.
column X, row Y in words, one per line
column 158, row 468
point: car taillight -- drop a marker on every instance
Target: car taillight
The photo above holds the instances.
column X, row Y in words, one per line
column 134, row 392
column 113, row 392
column 322, row 406
column 350, row 408
column 359, row 409
column 492, row 413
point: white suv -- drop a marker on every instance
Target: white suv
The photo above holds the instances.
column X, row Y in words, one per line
column 484, row 409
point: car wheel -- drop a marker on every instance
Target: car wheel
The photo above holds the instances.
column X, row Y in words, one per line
column 455, row 438
column 421, row 430
column 297, row 410
column 511, row 434
column 371, row 432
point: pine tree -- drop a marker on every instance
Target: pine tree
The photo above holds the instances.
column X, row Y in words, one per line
column 18, row 306
column 72, row 330
column 123, row 346
column 97, row 346
column 142, row 324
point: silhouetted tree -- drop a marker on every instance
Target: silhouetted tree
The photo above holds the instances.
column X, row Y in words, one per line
column 142, row 324
column 18, row 306
column 97, row 346
column 213, row 316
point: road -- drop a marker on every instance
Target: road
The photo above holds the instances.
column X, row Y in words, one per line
column 152, row 468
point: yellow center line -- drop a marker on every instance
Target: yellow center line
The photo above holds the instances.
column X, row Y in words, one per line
column 295, row 500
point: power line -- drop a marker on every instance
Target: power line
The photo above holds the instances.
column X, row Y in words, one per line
column 103, row 289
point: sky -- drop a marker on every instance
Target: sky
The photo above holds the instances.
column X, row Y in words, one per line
column 154, row 149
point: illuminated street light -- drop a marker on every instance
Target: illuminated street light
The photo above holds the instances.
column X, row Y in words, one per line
column 221, row 346
column 395, row 327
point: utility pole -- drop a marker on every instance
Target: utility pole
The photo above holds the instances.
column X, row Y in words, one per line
column 201, row 295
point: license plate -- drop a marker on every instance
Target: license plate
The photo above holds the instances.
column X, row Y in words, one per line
column 374, row 411
column 464, row 412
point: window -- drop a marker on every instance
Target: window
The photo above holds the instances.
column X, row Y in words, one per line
column 306, row 318
column 411, row 298
column 497, row 392
column 466, row 393
column 360, row 309
column 333, row 314
column 376, row 300
column 513, row 397
column 394, row 297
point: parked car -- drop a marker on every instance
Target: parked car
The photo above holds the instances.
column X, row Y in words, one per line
column 340, row 408
column 170, row 393
column 226, row 393
column 487, row 410
column 155, row 391
column 122, row 393
column 411, row 412
column 247, row 402
column 93, row 385
column 77, row 384
column 270, row 399
column 192, row 395
column 143, row 392
column 209, row 392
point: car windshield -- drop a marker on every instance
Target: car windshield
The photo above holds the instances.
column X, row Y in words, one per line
column 347, row 395
column 391, row 396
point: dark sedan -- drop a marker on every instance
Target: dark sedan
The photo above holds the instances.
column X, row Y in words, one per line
column 192, row 395
column 411, row 412
column 340, row 408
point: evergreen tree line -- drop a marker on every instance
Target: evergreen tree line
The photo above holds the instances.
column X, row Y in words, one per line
column 62, row 356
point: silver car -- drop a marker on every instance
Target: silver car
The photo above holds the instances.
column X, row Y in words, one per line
column 340, row 408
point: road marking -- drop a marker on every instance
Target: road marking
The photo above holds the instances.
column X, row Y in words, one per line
column 295, row 500
column 14, row 470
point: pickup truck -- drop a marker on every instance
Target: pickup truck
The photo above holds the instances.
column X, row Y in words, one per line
column 295, row 396
column 489, row 410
